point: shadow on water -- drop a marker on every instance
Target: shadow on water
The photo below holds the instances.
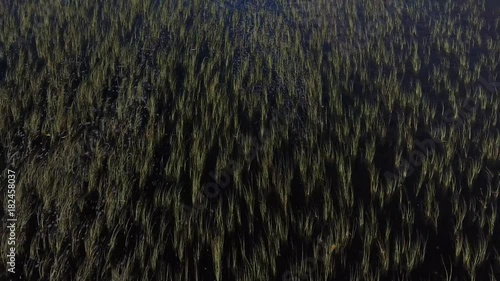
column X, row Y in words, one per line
column 3, row 69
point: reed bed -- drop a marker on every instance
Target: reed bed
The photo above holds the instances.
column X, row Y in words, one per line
column 239, row 140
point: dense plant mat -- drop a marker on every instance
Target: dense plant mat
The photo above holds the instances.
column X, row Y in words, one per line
column 239, row 140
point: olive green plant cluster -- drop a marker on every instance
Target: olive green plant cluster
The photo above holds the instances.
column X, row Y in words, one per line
column 117, row 116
